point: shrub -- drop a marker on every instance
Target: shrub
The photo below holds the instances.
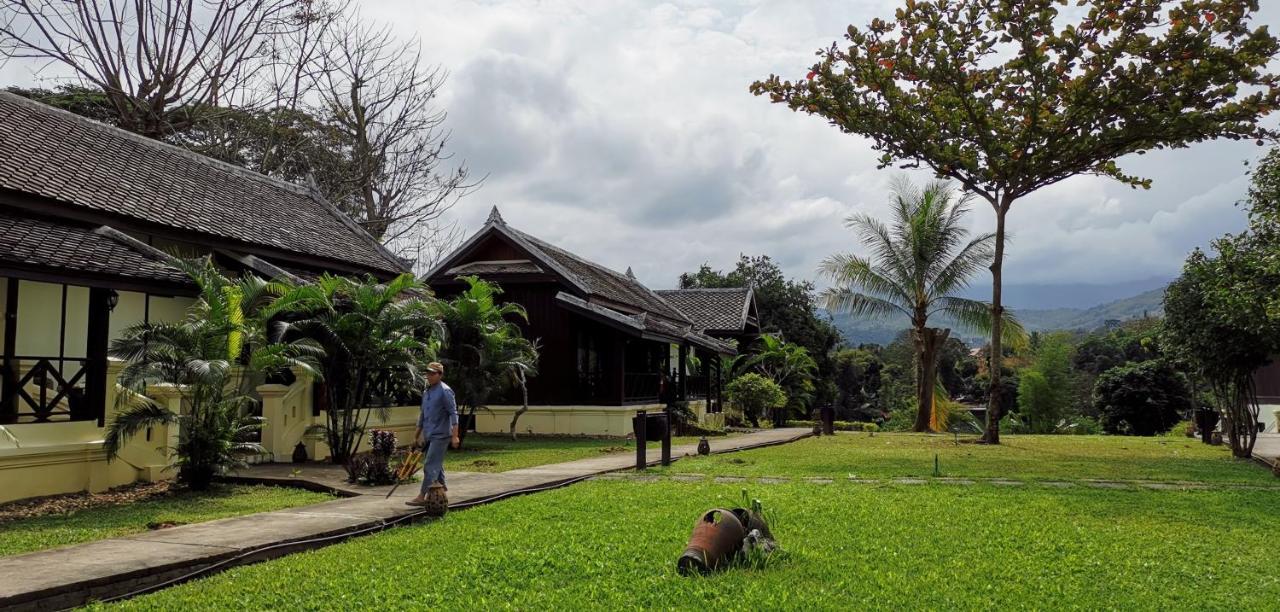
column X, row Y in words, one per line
column 383, row 442
column 754, row 395
column 1141, row 399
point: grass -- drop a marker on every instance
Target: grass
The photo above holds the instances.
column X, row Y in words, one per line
column 498, row 453
column 613, row 545
column 49, row 531
column 1020, row 457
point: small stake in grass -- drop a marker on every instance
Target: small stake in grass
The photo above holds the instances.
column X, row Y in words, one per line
column 936, row 472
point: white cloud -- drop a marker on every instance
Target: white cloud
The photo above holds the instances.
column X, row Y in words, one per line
column 624, row 131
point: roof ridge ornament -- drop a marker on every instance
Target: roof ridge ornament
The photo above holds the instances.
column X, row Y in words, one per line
column 631, row 275
column 495, row 216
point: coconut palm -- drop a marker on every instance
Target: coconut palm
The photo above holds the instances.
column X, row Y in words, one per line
column 372, row 334
column 917, row 267
column 212, row 356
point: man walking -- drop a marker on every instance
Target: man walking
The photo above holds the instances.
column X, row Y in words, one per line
column 437, row 426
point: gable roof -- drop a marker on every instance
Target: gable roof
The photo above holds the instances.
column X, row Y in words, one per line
column 601, row 281
column 608, row 296
column 88, row 165
column 724, row 310
column 589, row 278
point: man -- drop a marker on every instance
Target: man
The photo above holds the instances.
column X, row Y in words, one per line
column 437, row 424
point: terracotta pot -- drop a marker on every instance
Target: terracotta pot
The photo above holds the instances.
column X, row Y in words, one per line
column 716, row 538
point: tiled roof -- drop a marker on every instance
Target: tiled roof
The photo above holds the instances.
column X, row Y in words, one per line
column 714, row 309
column 610, row 285
column 80, row 162
column 48, row 244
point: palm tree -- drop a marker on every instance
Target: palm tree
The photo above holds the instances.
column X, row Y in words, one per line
column 482, row 341
column 372, row 333
column 212, row 356
column 787, row 364
column 919, row 264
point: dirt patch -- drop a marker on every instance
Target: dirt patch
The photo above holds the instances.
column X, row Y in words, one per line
column 154, row 525
column 74, row 502
column 614, row 449
column 484, row 463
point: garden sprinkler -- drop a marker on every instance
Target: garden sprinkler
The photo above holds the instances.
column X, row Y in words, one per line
column 407, row 468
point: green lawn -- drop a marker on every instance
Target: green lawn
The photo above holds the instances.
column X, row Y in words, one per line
column 26, row 535
column 498, row 453
column 1018, row 457
column 612, row 545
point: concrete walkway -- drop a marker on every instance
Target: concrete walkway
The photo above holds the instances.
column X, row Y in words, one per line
column 73, row 575
column 1267, row 448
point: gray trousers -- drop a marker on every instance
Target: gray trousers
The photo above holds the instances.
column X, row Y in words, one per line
column 433, row 463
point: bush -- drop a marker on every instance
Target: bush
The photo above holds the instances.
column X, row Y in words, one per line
column 755, row 395
column 840, row 425
column 1141, row 399
column 900, row 420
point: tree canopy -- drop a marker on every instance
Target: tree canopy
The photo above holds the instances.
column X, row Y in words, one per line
column 1009, row 96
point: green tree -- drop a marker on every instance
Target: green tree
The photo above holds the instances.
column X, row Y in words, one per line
column 484, row 343
column 1142, row 399
column 375, row 335
column 1008, row 97
column 790, row 366
column 1045, row 388
column 755, row 395
column 1222, row 316
column 920, row 263
column 212, row 356
column 857, row 379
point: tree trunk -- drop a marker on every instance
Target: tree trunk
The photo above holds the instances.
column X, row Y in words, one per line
column 524, row 406
column 928, row 340
column 992, row 434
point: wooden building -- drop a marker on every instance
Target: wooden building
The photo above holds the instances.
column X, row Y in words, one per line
column 609, row 345
column 88, row 216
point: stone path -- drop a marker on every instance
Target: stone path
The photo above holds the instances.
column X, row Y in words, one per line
column 70, row 576
column 1267, row 448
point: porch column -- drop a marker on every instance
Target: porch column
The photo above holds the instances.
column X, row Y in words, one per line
column 684, row 374
column 9, row 395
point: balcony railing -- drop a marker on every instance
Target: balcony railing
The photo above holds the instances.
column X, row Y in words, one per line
column 44, row 390
column 640, row 386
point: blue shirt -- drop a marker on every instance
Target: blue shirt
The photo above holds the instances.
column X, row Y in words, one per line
column 439, row 412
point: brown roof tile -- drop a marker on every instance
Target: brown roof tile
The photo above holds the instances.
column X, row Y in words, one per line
column 77, row 161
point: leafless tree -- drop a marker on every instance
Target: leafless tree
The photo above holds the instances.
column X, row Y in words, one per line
column 427, row 244
column 380, row 95
column 159, row 62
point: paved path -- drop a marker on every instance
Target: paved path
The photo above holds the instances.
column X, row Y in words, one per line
column 1267, row 448
column 70, row 576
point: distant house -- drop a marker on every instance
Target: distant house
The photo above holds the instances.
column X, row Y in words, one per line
column 1267, row 381
column 609, row 345
column 87, row 215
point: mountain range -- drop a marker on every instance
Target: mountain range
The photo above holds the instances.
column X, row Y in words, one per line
column 1039, row 308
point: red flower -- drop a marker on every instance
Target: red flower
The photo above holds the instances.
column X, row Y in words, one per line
column 1210, row 17
column 811, row 75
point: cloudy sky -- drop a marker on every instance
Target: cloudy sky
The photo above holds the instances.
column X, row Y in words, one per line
column 624, row 131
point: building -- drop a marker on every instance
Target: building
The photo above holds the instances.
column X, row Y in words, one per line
column 610, row 346
column 1267, row 382
column 88, row 217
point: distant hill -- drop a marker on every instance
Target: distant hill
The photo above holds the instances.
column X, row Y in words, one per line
column 1148, row 303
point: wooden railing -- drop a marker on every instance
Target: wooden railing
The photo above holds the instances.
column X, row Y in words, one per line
column 44, row 389
column 640, row 386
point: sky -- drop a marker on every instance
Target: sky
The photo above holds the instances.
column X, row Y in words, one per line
column 624, row 132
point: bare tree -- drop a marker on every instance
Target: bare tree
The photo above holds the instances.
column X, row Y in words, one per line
column 159, row 62
column 427, row 243
column 378, row 93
